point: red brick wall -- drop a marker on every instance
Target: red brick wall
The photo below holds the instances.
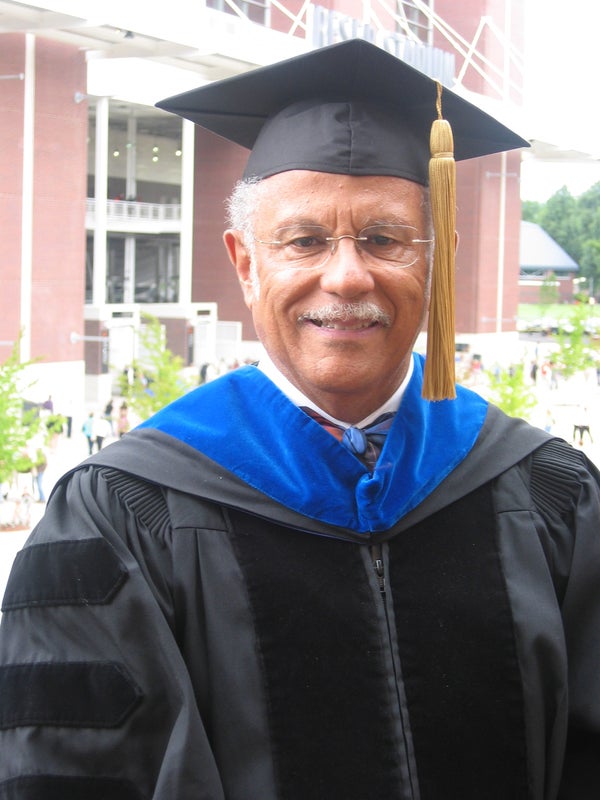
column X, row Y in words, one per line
column 478, row 225
column 465, row 17
column 59, row 207
column 59, row 189
column 533, row 293
column 479, row 187
column 177, row 334
column 219, row 164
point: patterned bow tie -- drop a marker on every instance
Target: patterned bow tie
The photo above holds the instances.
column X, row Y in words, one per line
column 365, row 443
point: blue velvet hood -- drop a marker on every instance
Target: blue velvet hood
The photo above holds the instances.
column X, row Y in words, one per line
column 245, row 424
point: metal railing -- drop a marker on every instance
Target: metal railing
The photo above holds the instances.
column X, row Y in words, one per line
column 132, row 211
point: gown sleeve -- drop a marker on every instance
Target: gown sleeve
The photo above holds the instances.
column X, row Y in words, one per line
column 95, row 698
column 581, row 614
column 565, row 487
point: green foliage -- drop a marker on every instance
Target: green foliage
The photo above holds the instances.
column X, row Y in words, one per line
column 17, row 426
column 530, row 210
column 23, row 463
column 575, row 353
column 590, row 265
column 158, row 373
column 560, row 218
column 511, row 393
column 55, row 423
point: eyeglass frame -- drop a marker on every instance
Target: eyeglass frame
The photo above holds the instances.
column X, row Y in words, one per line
column 335, row 240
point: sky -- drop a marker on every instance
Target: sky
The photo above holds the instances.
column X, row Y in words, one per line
column 562, row 92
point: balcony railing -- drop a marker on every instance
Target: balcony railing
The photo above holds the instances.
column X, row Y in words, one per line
column 130, row 211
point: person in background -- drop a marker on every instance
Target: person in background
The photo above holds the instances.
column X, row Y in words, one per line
column 334, row 574
column 549, row 421
column 123, row 424
column 581, row 425
column 88, row 431
column 39, row 469
column 101, row 430
column 108, row 414
column 22, row 511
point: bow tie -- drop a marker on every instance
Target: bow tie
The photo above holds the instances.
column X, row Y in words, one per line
column 365, row 443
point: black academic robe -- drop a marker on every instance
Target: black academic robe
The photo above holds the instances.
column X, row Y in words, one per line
column 199, row 619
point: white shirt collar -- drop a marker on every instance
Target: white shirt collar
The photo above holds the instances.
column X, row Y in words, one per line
column 297, row 397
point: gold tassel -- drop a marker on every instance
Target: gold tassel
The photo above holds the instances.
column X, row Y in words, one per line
column 439, row 382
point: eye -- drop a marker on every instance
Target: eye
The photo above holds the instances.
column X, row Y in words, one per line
column 389, row 237
column 303, row 238
column 306, row 242
column 381, row 240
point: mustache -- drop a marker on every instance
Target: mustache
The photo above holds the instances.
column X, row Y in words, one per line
column 338, row 312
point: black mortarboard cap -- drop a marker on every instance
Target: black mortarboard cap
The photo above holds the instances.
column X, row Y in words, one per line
column 350, row 108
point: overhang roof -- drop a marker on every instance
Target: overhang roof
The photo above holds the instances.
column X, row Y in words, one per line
column 539, row 251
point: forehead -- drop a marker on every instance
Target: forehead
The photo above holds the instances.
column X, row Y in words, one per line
column 322, row 196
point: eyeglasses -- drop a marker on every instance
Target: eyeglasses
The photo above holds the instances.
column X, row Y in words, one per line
column 380, row 246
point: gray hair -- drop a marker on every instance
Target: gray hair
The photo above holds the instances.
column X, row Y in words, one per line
column 240, row 206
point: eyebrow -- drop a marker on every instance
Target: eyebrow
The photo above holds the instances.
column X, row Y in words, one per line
column 370, row 222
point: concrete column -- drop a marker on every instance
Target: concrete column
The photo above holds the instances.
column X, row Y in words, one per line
column 131, row 155
column 27, row 197
column 187, row 212
column 101, row 197
column 129, row 271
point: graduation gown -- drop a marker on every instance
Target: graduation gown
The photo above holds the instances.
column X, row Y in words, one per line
column 227, row 604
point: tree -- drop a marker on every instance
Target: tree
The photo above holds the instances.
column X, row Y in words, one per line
column 574, row 353
column 560, row 219
column 17, row 425
column 510, row 392
column 589, row 220
column 157, row 375
column 530, row 210
column 590, row 265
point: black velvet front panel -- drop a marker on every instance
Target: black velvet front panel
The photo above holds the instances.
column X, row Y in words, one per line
column 458, row 653
column 330, row 698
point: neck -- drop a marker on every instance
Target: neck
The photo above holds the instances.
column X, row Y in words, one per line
column 342, row 407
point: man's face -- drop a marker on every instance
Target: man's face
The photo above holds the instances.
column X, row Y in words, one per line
column 346, row 356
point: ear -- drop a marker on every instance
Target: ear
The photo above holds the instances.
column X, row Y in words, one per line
column 240, row 258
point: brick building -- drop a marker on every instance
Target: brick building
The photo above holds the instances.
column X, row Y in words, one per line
column 110, row 208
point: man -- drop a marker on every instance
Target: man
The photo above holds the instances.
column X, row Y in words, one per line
column 231, row 602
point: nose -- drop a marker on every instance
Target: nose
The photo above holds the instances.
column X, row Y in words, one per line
column 345, row 273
